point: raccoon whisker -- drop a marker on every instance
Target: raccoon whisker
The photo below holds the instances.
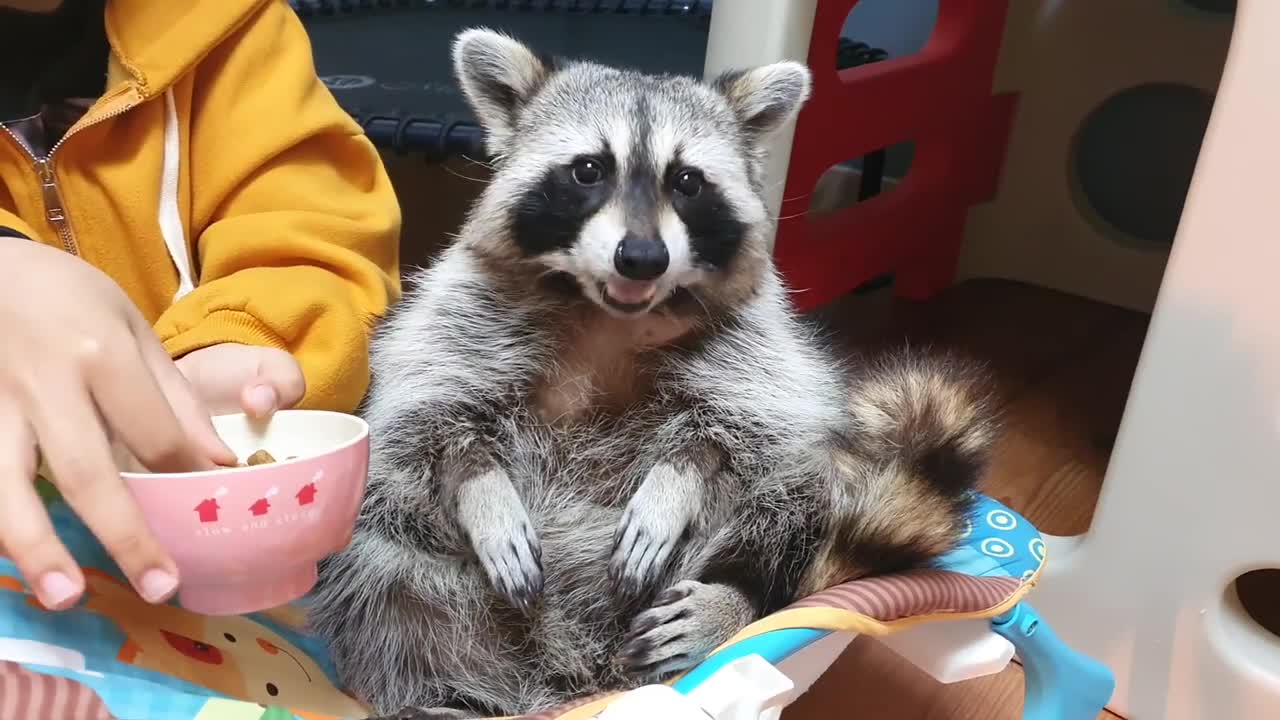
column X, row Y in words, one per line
column 478, row 161
column 780, row 218
column 455, row 173
column 701, row 303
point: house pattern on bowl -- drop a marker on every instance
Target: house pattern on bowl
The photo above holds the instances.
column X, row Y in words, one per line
column 221, row 515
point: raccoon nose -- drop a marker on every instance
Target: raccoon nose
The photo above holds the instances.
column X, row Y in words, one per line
column 640, row 258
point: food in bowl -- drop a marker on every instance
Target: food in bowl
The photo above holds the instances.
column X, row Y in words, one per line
column 259, row 457
column 247, row 538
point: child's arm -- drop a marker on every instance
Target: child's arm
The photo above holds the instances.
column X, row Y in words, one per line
column 295, row 220
column 11, row 226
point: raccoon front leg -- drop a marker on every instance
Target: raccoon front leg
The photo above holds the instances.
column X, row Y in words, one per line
column 494, row 518
column 655, row 519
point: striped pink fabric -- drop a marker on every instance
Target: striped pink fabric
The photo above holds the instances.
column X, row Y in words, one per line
column 915, row 593
column 26, row 695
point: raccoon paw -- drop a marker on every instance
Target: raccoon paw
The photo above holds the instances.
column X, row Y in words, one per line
column 686, row 623
column 651, row 527
column 511, row 556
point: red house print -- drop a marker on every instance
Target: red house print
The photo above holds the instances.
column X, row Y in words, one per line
column 260, row 507
column 208, row 511
column 307, row 494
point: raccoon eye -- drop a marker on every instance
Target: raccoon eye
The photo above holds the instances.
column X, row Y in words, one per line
column 689, row 183
column 587, row 171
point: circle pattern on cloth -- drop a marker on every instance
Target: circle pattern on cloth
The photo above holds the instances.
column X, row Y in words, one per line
column 997, row 548
column 995, row 541
column 1037, row 549
column 1001, row 520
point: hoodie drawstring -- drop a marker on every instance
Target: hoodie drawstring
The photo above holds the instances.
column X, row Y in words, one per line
column 175, row 236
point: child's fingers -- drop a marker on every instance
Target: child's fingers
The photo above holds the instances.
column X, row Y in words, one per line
column 281, row 371
column 137, row 411
column 260, row 401
column 72, row 438
column 192, row 415
column 27, row 536
column 278, row 383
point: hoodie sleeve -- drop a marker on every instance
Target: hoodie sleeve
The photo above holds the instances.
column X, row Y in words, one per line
column 295, row 222
column 11, row 226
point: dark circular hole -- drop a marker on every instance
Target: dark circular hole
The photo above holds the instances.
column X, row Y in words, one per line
column 1259, row 592
column 1135, row 153
column 272, row 690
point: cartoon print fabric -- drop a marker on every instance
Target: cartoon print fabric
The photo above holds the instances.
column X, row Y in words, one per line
column 114, row 657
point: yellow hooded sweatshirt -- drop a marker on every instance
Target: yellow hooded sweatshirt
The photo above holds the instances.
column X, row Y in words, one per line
column 220, row 185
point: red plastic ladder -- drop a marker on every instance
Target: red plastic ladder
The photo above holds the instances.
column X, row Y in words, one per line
column 941, row 99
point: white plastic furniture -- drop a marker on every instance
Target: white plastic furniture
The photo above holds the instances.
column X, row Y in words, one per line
column 1191, row 499
column 746, row 33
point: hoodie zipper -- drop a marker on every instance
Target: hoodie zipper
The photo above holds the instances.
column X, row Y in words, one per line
column 55, row 211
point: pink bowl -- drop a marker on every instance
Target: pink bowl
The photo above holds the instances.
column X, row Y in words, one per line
column 248, row 539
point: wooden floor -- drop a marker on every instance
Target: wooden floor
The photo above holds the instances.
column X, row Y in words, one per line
column 1064, row 366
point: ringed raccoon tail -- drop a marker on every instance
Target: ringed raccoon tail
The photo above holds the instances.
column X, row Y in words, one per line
column 932, row 414
column 920, row 436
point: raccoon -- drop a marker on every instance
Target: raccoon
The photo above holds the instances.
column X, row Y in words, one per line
column 602, row 440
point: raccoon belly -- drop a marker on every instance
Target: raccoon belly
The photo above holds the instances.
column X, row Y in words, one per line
column 413, row 628
column 579, row 627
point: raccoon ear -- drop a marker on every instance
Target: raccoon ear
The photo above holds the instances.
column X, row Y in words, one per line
column 766, row 97
column 498, row 74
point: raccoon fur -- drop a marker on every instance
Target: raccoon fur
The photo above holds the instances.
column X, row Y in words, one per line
column 603, row 442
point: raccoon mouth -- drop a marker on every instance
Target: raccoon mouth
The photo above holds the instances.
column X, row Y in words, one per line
column 628, row 296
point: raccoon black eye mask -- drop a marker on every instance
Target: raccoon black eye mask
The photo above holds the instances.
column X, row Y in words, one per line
column 602, row 441
column 604, row 228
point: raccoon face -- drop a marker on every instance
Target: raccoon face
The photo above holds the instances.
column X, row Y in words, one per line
column 645, row 190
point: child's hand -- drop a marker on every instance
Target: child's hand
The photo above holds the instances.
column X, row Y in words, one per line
column 81, row 371
column 231, row 378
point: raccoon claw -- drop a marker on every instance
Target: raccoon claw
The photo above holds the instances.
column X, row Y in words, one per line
column 642, row 546
column 514, row 566
column 639, row 557
column 686, row 623
column 674, row 594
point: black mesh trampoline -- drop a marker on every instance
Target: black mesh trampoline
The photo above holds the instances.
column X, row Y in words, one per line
column 387, row 61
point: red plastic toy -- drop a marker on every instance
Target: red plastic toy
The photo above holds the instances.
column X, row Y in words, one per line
column 941, row 99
